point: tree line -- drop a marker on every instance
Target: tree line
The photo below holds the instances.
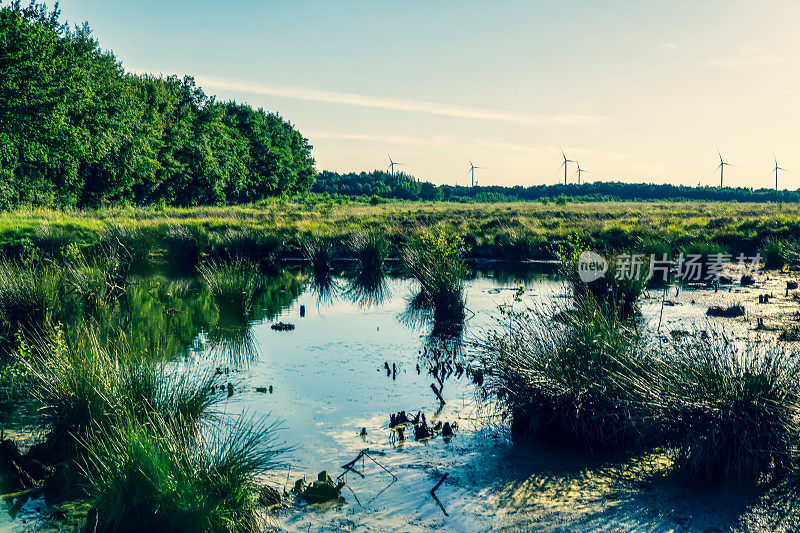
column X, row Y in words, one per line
column 382, row 184
column 76, row 130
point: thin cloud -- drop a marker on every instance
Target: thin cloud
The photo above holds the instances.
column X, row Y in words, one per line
column 383, row 139
column 748, row 56
column 668, row 46
column 399, row 104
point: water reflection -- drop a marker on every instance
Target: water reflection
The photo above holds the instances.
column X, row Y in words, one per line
column 368, row 289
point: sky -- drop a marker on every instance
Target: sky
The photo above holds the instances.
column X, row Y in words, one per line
column 637, row 91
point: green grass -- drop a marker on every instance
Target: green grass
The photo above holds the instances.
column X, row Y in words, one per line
column 154, row 475
column 514, row 230
column 435, row 259
column 561, row 382
column 84, row 384
column 721, row 409
column 371, row 251
column 30, row 297
column 728, row 411
column 234, row 283
column 777, row 253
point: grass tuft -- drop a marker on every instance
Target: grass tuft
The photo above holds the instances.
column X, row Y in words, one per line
column 729, row 410
column 564, row 382
column 85, row 384
column 154, row 475
column 234, row 284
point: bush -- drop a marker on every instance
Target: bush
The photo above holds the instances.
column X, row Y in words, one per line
column 729, row 411
column 563, row 383
column 234, row 284
column 154, row 475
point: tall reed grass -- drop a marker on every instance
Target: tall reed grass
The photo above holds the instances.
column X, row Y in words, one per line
column 435, row 258
column 369, row 287
column 563, row 382
column 234, row 284
column 30, row 298
column 153, row 474
column 728, row 409
column 84, row 384
column 721, row 409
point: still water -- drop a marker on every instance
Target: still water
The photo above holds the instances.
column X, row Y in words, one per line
column 327, row 378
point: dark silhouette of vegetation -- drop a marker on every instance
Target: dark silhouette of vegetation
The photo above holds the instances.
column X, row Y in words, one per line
column 381, row 184
column 76, row 130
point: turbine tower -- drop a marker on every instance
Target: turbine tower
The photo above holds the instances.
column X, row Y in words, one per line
column 392, row 164
column 472, row 168
column 580, row 171
column 721, row 167
column 776, row 169
column 564, row 164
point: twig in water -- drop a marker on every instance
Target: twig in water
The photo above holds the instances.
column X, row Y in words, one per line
column 438, row 484
column 438, row 394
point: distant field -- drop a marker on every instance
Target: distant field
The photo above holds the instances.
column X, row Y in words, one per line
column 501, row 230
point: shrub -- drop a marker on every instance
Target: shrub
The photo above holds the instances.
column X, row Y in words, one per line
column 234, row 284
column 563, row 382
column 729, row 410
column 153, row 475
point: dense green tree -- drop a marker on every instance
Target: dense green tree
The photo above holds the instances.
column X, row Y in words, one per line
column 77, row 130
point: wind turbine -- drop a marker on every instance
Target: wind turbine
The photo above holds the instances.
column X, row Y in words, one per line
column 580, row 171
column 776, row 169
column 472, row 168
column 564, row 164
column 721, row 167
column 392, row 164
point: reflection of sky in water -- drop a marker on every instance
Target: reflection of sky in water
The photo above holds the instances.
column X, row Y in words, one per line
column 329, row 381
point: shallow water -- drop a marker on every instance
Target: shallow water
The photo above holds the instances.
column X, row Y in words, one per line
column 329, row 381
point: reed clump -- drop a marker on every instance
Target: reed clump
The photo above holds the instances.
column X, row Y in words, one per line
column 371, row 250
column 720, row 409
column 777, row 253
column 155, row 475
column 235, row 284
column 82, row 384
column 563, row 382
column 728, row 410
column 318, row 251
column 617, row 291
column 30, row 296
column 435, row 258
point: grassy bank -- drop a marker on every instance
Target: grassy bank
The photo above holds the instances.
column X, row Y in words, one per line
column 506, row 230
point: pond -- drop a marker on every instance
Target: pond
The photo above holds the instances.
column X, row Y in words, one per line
column 350, row 361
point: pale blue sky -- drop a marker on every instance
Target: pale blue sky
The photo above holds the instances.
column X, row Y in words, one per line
column 638, row 91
